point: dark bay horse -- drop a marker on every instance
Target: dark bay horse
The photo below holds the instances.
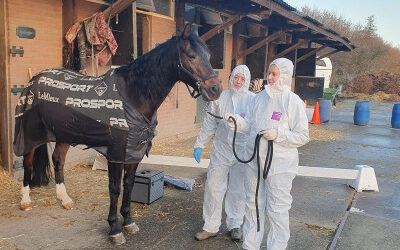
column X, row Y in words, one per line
column 114, row 114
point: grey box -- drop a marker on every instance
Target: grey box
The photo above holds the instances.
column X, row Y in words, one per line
column 148, row 187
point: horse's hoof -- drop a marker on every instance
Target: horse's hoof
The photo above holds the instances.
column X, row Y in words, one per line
column 117, row 239
column 68, row 205
column 131, row 228
column 26, row 206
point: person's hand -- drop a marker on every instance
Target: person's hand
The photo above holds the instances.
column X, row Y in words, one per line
column 197, row 154
column 239, row 121
column 227, row 115
column 270, row 134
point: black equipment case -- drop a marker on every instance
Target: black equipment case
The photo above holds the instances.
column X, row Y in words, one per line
column 148, row 187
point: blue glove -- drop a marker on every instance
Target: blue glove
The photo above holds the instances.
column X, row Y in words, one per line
column 197, row 154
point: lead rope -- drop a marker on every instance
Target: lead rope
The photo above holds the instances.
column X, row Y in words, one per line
column 267, row 163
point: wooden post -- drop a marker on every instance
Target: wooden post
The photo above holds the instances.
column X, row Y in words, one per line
column 5, row 94
column 294, row 71
column 270, row 55
column 134, row 31
column 217, row 29
column 235, row 44
column 180, row 14
column 266, row 56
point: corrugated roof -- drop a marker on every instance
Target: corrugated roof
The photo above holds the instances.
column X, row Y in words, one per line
column 308, row 18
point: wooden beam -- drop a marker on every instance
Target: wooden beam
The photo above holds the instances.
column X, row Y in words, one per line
column 291, row 48
column 312, row 52
column 302, row 29
column 264, row 14
column 296, row 18
column 259, row 44
column 328, row 54
column 217, row 29
column 116, row 8
column 99, row 2
column 148, row 13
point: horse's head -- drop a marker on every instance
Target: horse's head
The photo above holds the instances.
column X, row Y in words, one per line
column 194, row 67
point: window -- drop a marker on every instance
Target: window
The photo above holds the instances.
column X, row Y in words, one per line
column 163, row 7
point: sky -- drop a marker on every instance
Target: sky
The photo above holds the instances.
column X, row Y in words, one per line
column 386, row 12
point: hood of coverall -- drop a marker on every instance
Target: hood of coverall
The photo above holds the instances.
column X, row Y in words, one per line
column 284, row 82
column 246, row 72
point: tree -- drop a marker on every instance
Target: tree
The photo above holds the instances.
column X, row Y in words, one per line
column 370, row 28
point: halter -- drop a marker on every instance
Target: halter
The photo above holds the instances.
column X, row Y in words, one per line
column 194, row 82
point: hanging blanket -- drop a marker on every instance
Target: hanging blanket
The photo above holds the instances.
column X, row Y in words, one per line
column 67, row 107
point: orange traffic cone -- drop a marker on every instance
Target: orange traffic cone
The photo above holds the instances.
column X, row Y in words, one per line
column 315, row 118
column 305, row 102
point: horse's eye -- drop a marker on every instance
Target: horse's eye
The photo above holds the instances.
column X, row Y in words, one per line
column 191, row 54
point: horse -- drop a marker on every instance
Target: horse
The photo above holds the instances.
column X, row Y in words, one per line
column 115, row 114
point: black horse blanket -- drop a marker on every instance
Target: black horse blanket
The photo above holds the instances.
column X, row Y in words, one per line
column 67, row 107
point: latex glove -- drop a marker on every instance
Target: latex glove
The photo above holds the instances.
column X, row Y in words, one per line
column 227, row 115
column 197, row 154
column 270, row 134
column 240, row 122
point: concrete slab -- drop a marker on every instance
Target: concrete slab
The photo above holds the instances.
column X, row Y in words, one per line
column 368, row 233
column 319, row 202
column 384, row 205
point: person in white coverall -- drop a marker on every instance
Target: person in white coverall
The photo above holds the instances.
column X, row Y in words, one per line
column 225, row 174
column 280, row 115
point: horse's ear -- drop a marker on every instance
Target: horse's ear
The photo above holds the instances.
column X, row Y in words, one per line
column 186, row 32
column 195, row 30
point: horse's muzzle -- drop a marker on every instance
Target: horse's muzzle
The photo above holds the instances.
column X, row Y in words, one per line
column 211, row 89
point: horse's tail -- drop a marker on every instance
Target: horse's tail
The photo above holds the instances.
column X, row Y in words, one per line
column 41, row 167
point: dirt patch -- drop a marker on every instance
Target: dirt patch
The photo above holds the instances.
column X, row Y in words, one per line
column 318, row 230
column 9, row 187
column 88, row 189
column 377, row 86
column 318, row 132
column 380, row 96
column 180, row 147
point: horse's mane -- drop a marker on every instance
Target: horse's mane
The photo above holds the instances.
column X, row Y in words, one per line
column 148, row 76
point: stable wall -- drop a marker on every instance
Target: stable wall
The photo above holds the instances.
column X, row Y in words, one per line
column 50, row 19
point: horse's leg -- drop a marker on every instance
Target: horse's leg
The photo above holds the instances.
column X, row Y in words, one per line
column 129, row 177
column 114, row 187
column 59, row 154
column 28, row 169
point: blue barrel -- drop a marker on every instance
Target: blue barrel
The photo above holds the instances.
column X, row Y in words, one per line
column 396, row 116
column 324, row 109
column 361, row 113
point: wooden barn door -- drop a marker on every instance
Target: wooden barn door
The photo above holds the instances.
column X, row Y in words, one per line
column 5, row 133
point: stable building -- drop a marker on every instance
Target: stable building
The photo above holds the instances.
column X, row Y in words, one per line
column 251, row 32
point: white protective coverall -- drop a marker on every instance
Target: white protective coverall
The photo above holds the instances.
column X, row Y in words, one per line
column 274, row 108
column 223, row 164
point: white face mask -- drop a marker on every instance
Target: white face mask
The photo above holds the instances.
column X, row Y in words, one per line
column 284, row 82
